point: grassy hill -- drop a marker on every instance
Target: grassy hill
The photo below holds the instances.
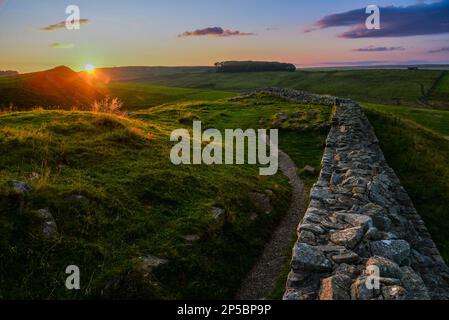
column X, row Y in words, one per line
column 63, row 88
column 139, row 96
column 117, row 199
column 58, row 87
column 439, row 93
column 397, row 87
column 415, row 143
column 429, row 119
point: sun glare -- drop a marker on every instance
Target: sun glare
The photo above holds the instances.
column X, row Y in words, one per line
column 90, row 69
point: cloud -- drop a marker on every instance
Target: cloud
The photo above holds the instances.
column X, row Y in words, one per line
column 355, row 63
column 445, row 49
column 214, row 31
column 60, row 45
column 61, row 25
column 415, row 20
column 378, row 49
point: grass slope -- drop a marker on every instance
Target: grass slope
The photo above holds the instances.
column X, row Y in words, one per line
column 402, row 87
column 58, row 87
column 136, row 203
column 439, row 94
column 419, row 154
column 139, row 96
column 434, row 120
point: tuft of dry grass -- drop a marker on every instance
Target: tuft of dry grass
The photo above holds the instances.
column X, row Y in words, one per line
column 109, row 105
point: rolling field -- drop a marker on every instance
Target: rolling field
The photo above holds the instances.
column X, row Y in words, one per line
column 397, row 87
column 140, row 96
column 143, row 87
column 117, row 199
column 434, row 120
column 439, row 94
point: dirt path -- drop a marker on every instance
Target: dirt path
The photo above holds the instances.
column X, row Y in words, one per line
column 261, row 281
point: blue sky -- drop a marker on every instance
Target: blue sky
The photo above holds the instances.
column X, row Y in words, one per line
column 139, row 32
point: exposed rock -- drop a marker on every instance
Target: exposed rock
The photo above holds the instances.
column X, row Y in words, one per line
column 281, row 116
column 316, row 229
column 309, row 169
column 396, row 250
column 191, row 238
column 349, row 257
column 307, row 237
column 218, row 214
column 348, row 270
column 356, row 220
column 150, row 262
column 348, row 237
column 336, row 288
column 387, row 268
column 360, row 290
column 331, row 249
column 307, row 257
column 379, row 216
column 394, row 293
column 262, row 202
column 413, row 283
column 373, row 234
column 49, row 227
column 77, row 198
column 20, row 187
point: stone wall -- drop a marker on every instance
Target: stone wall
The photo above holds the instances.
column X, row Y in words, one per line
column 360, row 216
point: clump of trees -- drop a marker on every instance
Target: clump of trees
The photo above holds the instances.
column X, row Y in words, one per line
column 253, row 66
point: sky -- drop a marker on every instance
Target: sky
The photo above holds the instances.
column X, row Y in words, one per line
column 199, row 32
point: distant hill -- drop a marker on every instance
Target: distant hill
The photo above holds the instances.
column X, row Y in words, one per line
column 8, row 72
column 140, row 72
column 253, row 66
column 60, row 87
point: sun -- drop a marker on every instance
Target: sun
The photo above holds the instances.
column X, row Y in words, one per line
column 89, row 68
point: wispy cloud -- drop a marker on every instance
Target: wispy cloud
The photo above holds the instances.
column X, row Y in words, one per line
column 414, row 20
column 378, row 49
column 60, row 25
column 445, row 49
column 214, row 31
column 61, row 45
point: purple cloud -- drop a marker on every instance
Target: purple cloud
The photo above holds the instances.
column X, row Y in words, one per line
column 378, row 49
column 414, row 20
column 214, row 31
column 445, row 49
column 61, row 25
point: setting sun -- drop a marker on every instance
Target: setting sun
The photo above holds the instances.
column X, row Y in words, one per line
column 89, row 68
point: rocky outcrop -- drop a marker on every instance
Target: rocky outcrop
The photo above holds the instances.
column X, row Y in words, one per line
column 361, row 237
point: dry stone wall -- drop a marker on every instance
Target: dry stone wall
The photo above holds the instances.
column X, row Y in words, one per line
column 359, row 220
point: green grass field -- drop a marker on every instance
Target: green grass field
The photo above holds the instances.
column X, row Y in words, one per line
column 135, row 202
column 434, row 120
column 439, row 93
column 399, row 87
column 143, row 87
column 140, row 96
